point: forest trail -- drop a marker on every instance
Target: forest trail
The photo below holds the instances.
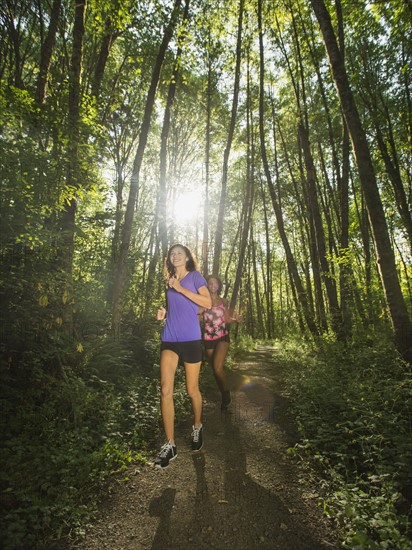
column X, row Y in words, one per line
column 241, row 491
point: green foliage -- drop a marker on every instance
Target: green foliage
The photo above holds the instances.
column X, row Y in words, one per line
column 354, row 410
column 64, row 432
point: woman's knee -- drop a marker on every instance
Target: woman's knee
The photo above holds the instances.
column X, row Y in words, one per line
column 193, row 391
column 166, row 391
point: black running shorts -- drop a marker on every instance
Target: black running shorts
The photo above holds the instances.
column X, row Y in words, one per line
column 188, row 352
column 212, row 344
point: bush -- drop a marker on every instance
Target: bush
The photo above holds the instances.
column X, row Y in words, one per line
column 64, row 433
column 354, row 408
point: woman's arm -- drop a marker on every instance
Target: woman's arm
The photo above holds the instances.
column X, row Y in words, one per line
column 230, row 315
column 201, row 298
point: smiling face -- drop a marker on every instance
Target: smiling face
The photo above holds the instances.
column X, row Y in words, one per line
column 213, row 285
column 178, row 257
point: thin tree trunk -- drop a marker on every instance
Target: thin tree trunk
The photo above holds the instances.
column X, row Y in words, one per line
column 102, row 58
column 393, row 171
column 73, row 168
column 268, row 260
column 319, row 231
column 121, row 273
column 248, row 201
column 46, row 52
column 165, row 136
column 258, row 302
column 292, row 267
column 345, row 271
column 319, row 303
column 222, row 203
column 205, row 245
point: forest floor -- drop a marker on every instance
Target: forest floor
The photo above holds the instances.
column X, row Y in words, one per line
column 241, row 491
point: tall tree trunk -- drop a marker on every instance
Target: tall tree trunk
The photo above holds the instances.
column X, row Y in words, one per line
column 394, row 174
column 15, row 40
column 121, row 272
column 292, row 267
column 248, row 200
column 106, row 43
column 165, row 136
column 319, row 231
column 385, row 257
column 222, row 203
column 345, row 271
column 258, row 301
column 73, row 168
column 268, row 260
column 205, row 244
column 46, row 52
column 319, row 303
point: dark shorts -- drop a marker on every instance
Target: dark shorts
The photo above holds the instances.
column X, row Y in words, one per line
column 188, row 352
column 212, row 344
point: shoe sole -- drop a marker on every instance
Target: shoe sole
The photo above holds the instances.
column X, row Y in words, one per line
column 160, row 467
column 199, row 449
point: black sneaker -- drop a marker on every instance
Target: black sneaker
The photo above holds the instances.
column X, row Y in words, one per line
column 167, row 453
column 197, row 438
column 226, row 400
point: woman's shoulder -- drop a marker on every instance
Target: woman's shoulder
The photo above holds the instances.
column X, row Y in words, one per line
column 195, row 274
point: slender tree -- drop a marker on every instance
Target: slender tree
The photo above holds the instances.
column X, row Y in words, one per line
column 73, row 165
column 46, row 52
column 222, row 203
column 165, row 134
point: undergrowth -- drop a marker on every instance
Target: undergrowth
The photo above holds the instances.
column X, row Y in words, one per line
column 67, row 424
column 353, row 406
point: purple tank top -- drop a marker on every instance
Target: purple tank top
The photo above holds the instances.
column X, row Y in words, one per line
column 182, row 322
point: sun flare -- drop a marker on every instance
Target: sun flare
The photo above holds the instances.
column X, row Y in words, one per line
column 187, row 207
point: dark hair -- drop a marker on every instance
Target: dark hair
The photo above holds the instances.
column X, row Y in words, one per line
column 219, row 282
column 191, row 264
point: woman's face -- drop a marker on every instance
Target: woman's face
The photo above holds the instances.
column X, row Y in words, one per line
column 178, row 256
column 213, row 285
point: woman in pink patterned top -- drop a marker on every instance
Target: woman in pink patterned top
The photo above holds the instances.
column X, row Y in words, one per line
column 216, row 335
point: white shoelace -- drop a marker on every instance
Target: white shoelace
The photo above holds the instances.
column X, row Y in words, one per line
column 196, row 433
column 165, row 449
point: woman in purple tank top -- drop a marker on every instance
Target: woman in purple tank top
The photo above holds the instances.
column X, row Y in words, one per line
column 181, row 339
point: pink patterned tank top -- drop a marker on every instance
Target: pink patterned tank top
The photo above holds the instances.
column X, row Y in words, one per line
column 215, row 326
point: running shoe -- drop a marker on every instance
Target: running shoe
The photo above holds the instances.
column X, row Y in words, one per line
column 167, row 453
column 197, row 438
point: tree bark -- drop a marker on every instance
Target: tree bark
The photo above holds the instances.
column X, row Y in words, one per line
column 319, row 231
column 205, row 244
column 385, row 257
column 46, row 52
column 222, row 203
column 247, row 203
column 73, row 167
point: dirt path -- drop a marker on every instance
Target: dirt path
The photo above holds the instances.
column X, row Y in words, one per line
column 240, row 492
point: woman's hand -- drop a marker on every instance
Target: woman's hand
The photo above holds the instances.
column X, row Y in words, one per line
column 161, row 314
column 175, row 283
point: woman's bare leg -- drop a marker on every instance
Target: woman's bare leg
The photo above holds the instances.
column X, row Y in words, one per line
column 168, row 366
column 217, row 359
column 192, row 386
